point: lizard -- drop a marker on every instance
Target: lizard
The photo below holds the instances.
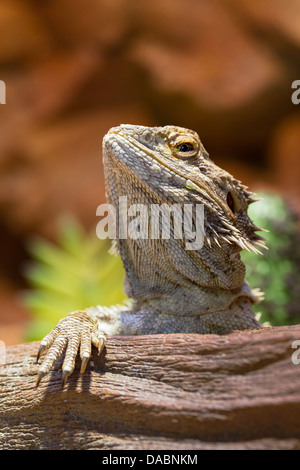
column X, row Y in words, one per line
column 172, row 289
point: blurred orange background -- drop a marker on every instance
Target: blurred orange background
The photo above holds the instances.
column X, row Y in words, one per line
column 75, row 68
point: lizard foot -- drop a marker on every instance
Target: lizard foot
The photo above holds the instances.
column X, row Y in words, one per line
column 76, row 330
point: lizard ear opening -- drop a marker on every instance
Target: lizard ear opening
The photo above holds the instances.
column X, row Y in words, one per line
column 230, row 202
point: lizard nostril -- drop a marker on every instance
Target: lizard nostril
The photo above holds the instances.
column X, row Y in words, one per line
column 147, row 137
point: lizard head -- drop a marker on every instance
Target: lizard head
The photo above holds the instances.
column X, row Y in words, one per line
column 171, row 165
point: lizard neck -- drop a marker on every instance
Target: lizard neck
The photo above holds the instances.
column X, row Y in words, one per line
column 148, row 318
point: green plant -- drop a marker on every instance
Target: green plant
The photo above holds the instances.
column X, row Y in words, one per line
column 277, row 272
column 75, row 273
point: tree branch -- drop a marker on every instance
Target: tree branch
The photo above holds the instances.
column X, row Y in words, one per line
column 180, row 391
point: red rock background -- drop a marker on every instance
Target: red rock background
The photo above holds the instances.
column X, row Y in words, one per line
column 74, row 68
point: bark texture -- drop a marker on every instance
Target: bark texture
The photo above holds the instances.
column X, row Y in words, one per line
column 239, row 391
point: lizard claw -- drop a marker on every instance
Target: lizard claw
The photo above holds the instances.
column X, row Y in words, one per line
column 98, row 340
column 77, row 330
column 65, row 376
column 84, row 362
column 40, row 352
column 39, row 378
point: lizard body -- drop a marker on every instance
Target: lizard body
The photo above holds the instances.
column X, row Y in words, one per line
column 173, row 289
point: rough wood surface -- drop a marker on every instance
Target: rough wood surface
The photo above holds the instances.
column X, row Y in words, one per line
column 176, row 392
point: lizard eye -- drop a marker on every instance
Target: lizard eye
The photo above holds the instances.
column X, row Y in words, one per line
column 186, row 149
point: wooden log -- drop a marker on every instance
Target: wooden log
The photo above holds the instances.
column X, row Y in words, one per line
column 180, row 391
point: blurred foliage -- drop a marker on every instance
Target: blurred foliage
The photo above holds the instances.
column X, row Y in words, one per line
column 277, row 272
column 75, row 273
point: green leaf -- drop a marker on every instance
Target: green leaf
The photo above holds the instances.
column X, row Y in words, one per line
column 281, row 263
column 75, row 273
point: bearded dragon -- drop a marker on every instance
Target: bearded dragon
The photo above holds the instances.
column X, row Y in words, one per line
column 173, row 289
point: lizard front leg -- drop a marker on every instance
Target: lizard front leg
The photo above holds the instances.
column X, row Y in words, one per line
column 77, row 330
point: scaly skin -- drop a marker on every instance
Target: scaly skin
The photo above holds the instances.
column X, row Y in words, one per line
column 173, row 289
